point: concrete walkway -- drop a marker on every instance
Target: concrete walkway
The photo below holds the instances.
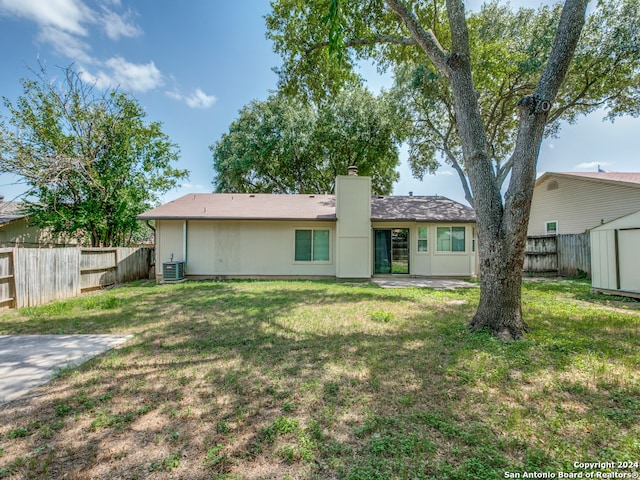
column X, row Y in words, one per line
column 423, row 282
column 28, row 361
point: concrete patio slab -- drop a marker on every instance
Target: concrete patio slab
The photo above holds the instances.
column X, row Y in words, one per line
column 28, row 361
column 426, row 282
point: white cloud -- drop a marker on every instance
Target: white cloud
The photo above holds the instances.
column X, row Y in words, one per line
column 66, row 44
column 591, row 165
column 120, row 73
column 64, row 25
column 198, row 99
column 447, row 173
column 118, row 26
column 66, row 15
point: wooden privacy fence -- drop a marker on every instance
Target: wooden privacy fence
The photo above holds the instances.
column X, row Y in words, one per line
column 33, row 276
column 563, row 255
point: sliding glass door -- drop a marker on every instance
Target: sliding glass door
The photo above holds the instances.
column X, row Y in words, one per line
column 391, row 251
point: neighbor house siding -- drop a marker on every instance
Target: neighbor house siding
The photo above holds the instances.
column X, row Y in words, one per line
column 579, row 204
column 18, row 233
column 242, row 248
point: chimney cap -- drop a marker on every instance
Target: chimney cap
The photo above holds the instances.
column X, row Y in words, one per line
column 352, row 170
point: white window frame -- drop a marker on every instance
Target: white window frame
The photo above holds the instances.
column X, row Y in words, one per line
column 312, row 261
column 451, row 252
column 425, row 238
column 546, row 227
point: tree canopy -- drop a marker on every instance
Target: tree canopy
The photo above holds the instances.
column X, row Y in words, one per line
column 288, row 145
column 492, row 84
column 91, row 161
column 508, row 51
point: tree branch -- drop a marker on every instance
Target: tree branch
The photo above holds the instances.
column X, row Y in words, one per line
column 362, row 42
column 424, row 38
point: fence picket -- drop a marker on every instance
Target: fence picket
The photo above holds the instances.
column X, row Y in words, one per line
column 565, row 255
column 33, row 276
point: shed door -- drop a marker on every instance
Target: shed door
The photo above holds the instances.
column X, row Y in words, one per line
column 629, row 259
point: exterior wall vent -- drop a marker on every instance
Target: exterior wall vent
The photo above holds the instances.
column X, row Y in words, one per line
column 172, row 271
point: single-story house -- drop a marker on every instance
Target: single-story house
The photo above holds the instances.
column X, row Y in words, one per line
column 615, row 256
column 351, row 234
column 579, row 201
column 15, row 230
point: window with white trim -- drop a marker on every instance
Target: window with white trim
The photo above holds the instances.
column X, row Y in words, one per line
column 450, row 239
column 312, row 246
column 551, row 228
column 423, row 242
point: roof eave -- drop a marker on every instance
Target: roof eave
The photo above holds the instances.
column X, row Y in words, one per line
column 276, row 219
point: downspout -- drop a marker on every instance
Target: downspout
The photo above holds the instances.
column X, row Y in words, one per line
column 184, row 244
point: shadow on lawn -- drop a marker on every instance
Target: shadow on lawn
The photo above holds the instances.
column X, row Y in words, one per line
column 238, row 379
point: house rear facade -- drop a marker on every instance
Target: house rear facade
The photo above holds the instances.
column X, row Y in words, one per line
column 347, row 235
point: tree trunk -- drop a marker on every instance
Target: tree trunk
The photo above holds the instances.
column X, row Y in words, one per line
column 502, row 226
column 499, row 311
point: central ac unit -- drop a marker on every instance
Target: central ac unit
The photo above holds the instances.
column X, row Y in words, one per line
column 172, row 271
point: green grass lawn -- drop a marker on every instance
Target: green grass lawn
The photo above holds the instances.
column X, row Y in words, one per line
column 276, row 380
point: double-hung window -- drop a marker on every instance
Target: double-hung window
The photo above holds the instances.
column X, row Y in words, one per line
column 450, row 239
column 423, row 243
column 312, row 246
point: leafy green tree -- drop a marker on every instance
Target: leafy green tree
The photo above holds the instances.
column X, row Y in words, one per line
column 508, row 52
column 482, row 89
column 91, row 162
column 287, row 145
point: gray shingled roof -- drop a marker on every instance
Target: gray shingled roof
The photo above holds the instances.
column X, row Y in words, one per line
column 244, row 206
column 10, row 211
column 420, row 209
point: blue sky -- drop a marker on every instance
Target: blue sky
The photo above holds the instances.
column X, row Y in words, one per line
column 192, row 65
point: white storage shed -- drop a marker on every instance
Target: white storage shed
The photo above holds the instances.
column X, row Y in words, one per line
column 615, row 256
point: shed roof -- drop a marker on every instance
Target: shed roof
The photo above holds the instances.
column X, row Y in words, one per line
column 10, row 211
column 244, row 206
column 630, row 179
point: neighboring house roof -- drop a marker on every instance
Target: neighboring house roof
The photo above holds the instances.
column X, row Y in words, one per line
column 10, row 211
column 423, row 209
column 244, row 206
column 631, row 179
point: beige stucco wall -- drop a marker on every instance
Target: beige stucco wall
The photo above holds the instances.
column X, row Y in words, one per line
column 604, row 263
column 169, row 239
column 239, row 248
column 353, row 231
column 579, row 204
column 432, row 262
column 266, row 248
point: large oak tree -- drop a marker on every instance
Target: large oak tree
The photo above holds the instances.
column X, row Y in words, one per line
column 488, row 86
column 289, row 145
